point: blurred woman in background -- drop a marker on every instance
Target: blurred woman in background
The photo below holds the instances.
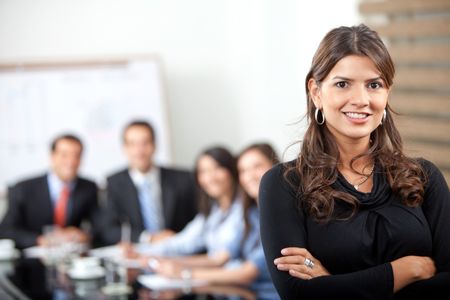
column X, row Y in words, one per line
column 213, row 231
column 250, row 267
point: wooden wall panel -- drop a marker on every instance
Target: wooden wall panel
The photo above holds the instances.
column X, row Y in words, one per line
column 403, row 6
column 423, row 78
column 415, row 28
column 430, row 53
column 422, row 104
column 433, row 130
column 438, row 153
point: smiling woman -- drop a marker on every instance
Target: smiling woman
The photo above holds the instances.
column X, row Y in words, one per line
column 352, row 99
column 360, row 219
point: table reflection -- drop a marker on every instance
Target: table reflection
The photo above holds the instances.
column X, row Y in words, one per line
column 51, row 282
column 208, row 292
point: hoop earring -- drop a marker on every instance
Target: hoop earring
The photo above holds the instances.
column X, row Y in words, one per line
column 316, row 116
column 384, row 117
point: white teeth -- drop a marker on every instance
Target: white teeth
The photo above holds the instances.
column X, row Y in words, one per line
column 355, row 115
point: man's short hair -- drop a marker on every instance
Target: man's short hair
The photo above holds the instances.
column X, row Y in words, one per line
column 140, row 123
column 66, row 136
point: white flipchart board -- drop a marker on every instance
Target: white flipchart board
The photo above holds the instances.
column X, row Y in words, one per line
column 93, row 99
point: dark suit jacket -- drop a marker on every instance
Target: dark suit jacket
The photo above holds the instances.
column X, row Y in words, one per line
column 178, row 203
column 30, row 209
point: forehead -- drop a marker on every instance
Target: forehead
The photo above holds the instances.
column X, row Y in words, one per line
column 354, row 67
column 137, row 131
column 206, row 161
column 67, row 145
column 251, row 157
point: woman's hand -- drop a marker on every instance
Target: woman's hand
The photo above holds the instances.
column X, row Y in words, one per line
column 128, row 250
column 166, row 267
column 161, row 236
column 409, row 269
column 296, row 260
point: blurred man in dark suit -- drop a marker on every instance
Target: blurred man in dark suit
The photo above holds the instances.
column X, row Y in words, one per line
column 58, row 197
column 155, row 201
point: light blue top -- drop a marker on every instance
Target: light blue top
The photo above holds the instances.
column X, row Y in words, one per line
column 252, row 251
column 216, row 232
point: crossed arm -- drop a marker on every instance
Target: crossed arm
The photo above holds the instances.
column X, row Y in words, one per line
column 406, row 270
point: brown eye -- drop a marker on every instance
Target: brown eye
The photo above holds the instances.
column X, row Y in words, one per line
column 341, row 84
column 375, row 85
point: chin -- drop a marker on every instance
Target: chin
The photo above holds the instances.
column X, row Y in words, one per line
column 214, row 196
column 252, row 193
column 253, row 196
column 143, row 167
column 358, row 135
column 68, row 178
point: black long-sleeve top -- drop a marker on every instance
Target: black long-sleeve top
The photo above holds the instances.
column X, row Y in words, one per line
column 358, row 251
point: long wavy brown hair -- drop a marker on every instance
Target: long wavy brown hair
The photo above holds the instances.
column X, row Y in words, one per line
column 317, row 165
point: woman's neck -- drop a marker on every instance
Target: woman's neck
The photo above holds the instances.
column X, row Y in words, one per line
column 347, row 151
column 225, row 201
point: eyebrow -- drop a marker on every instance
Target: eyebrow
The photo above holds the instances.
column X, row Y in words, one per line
column 349, row 79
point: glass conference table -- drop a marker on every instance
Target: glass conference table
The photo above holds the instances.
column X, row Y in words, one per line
column 30, row 278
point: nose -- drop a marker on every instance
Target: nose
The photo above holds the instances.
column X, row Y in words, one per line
column 73, row 163
column 360, row 96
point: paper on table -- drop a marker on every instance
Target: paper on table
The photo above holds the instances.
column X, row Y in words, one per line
column 106, row 252
column 63, row 250
column 115, row 252
column 158, row 283
column 35, row 252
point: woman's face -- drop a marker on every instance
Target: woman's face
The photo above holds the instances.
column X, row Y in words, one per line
column 352, row 97
column 214, row 179
column 251, row 166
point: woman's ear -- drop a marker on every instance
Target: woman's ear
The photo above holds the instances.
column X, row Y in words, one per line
column 314, row 92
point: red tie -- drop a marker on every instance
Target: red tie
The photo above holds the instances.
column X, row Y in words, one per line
column 61, row 206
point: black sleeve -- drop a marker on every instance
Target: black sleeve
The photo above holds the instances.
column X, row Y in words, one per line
column 184, row 186
column 94, row 215
column 109, row 231
column 12, row 224
column 282, row 225
column 436, row 207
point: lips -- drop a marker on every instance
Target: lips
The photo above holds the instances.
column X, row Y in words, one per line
column 356, row 115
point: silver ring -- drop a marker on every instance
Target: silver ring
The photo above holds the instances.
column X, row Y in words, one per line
column 309, row 263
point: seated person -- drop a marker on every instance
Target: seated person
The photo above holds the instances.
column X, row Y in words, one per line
column 249, row 268
column 59, row 197
column 213, row 230
column 156, row 202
